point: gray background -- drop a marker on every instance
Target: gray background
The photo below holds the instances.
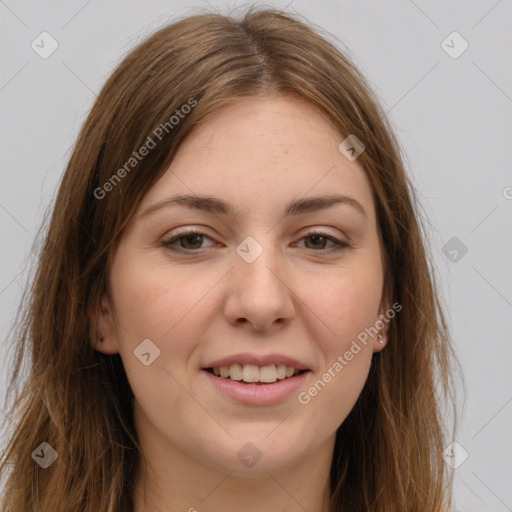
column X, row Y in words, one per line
column 453, row 117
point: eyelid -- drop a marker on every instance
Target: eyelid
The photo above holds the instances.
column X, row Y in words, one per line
column 312, row 230
column 185, row 230
column 315, row 230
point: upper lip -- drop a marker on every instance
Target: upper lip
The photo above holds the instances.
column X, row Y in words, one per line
column 258, row 360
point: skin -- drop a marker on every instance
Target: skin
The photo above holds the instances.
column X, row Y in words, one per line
column 300, row 297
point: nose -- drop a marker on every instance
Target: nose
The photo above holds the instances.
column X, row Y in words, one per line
column 258, row 293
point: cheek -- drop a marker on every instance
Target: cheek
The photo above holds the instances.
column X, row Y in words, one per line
column 169, row 306
column 172, row 309
column 346, row 361
column 345, row 305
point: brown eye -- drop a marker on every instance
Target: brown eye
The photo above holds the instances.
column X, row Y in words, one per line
column 322, row 242
column 318, row 241
column 186, row 241
column 191, row 241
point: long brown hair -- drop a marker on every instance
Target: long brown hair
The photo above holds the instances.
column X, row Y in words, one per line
column 388, row 452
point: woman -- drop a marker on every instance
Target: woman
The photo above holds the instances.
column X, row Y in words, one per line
column 233, row 306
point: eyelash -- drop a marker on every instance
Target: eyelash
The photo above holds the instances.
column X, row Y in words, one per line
column 167, row 243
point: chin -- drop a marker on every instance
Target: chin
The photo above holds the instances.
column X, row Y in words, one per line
column 255, row 452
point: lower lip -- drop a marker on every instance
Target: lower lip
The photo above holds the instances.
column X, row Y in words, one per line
column 257, row 394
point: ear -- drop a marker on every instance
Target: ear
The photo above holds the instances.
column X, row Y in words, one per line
column 382, row 324
column 103, row 332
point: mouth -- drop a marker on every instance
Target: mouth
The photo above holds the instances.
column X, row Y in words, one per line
column 253, row 385
column 254, row 374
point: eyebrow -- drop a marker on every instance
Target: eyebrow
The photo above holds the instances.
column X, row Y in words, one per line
column 218, row 206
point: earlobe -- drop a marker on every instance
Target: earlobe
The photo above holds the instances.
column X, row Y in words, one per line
column 382, row 325
column 380, row 341
column 103, row 334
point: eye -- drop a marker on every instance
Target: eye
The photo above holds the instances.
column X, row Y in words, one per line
column 318, row 241
column 192, row 241
column 187, row 241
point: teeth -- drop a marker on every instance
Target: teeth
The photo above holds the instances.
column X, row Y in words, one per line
column 235, row 372
column 268, row 373
column 253, row 373
column 250, row 373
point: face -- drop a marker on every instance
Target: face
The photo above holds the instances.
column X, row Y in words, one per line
column 265, row 278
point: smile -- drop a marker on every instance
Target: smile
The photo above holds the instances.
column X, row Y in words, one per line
column 256, row 393
column 251, row 373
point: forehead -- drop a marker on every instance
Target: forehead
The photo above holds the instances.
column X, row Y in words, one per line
column 263, row 151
